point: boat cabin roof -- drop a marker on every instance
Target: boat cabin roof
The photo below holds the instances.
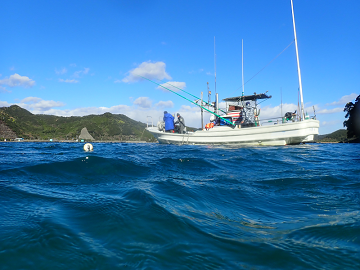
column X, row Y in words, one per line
column 252, row 97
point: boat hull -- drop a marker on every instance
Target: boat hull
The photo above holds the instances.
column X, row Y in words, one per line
column 279, row 134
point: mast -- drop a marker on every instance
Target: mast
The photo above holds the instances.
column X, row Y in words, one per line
column 242, row 65
column 282, row 118
column 215, row 64
column 298, row 64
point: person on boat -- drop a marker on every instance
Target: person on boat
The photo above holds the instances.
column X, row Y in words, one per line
column 180, row 122
column 169, row 122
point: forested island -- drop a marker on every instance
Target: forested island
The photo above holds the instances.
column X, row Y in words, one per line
column 339, row 136
column 16, row 122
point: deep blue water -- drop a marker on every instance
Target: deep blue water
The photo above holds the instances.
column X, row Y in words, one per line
column 151, row 206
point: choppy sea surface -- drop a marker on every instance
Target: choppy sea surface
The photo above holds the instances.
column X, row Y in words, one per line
column 151, row 206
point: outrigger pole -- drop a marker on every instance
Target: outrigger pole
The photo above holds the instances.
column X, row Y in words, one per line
column 193, row 96
column 189, row 100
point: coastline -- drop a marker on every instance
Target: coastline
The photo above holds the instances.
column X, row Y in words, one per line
column 70, row 141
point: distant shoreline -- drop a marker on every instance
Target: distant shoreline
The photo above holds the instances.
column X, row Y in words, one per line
column 70, row 141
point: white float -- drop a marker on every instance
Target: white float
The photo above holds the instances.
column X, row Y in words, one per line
column 88, row 147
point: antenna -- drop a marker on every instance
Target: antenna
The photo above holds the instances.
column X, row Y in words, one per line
column 209, row 94
column 215, row 64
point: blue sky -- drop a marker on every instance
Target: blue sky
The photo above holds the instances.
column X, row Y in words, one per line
column 83, row 57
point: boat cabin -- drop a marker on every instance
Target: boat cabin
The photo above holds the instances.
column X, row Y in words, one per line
column 242, row 110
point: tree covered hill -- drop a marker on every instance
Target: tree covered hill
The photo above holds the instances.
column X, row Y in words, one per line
column 102, row 127
column 336, row 136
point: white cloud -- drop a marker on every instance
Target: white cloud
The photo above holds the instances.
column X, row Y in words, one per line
column 188, row 108
column 274, row 112
column 326, row 111
column 331, row 123
column 44, row 105
column 88, row 110
column 37, row 105
column 4, row 104
column 143, row 102
column 136, row 114
column 343, row 100
column 68, row 81
column 165, row 104
column 78, row 73
column 148, row 70
column 173, row 86
column 31, row 100
column 192, row 115
column 61, row 71
column 17, row 80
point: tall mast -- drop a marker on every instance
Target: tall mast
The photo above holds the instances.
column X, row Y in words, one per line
column 215, row 64
column 242, row 65
column 298, row 64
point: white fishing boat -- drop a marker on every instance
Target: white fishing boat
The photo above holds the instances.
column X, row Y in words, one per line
column 239, row 122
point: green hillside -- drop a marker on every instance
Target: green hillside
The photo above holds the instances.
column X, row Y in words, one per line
column 102, row 127
column 336, row 136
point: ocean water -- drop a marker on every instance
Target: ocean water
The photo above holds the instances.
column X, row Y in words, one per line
column 151, row 206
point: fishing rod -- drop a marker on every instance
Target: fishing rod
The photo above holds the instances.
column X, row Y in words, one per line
column 193, row 96
column 189, row 100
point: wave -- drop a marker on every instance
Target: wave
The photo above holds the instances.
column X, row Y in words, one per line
column 158, row 206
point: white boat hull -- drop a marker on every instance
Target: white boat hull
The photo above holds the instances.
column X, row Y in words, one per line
column 279, row 134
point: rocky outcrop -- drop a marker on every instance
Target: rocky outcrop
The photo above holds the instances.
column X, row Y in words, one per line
column 6, row 132
column 85, row 135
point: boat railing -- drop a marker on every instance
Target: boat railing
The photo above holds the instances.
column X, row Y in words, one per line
column 149, row 121
column 273, row 121
column 280, row 120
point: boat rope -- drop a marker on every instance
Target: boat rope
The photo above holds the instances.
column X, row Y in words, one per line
column 227, row 121
column 265, row 66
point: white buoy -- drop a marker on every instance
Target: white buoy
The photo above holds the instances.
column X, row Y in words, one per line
column 88, row 147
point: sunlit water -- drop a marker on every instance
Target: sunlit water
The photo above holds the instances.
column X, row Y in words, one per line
column 151, row 206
